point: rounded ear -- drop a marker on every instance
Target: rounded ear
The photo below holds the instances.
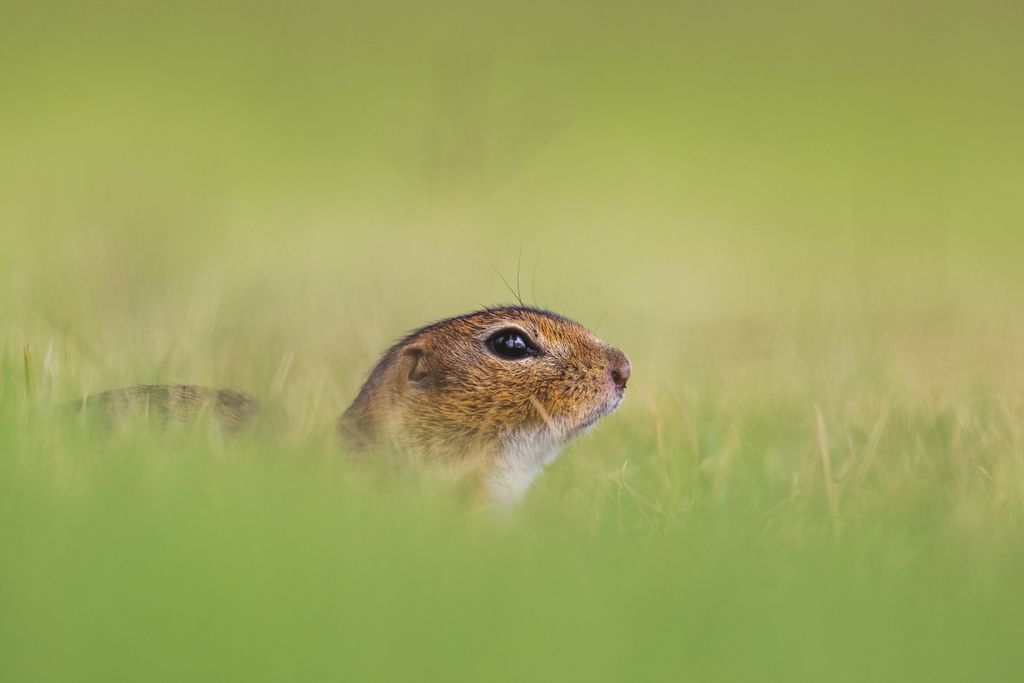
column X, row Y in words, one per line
column 412, row 365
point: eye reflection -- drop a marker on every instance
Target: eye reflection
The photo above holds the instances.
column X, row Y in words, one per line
column 511, row 344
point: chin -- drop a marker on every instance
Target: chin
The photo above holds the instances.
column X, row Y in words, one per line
column 526, row 455
column 607, row 408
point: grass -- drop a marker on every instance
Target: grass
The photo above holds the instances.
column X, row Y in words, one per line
column 803, row 227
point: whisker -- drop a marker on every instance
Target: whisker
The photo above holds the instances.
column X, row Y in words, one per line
column 507, row 285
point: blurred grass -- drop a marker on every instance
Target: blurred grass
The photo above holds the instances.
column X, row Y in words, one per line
column 774, row 211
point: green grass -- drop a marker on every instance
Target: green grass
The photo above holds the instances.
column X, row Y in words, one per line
column 803, row 226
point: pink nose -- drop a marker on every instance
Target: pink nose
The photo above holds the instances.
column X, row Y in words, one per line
column 619, row 368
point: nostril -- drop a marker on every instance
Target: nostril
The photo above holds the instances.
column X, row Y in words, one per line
column 620, row 371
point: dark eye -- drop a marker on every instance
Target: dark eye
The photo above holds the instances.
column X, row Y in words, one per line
column 511, row 345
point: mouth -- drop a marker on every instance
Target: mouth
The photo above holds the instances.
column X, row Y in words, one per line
column 609, row 407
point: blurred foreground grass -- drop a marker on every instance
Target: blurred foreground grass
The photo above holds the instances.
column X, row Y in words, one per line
column 803, row 224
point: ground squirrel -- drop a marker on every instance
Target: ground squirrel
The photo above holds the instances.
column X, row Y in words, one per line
column 496, row 392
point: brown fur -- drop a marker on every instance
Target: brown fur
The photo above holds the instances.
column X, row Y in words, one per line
column 440, row 395
column 175, row 405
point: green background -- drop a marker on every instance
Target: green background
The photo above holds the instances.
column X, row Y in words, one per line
column 804, row 223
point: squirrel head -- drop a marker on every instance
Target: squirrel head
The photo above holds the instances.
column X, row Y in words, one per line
column 501, row 387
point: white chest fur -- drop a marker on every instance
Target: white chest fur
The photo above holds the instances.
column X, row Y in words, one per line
column 519, row 464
